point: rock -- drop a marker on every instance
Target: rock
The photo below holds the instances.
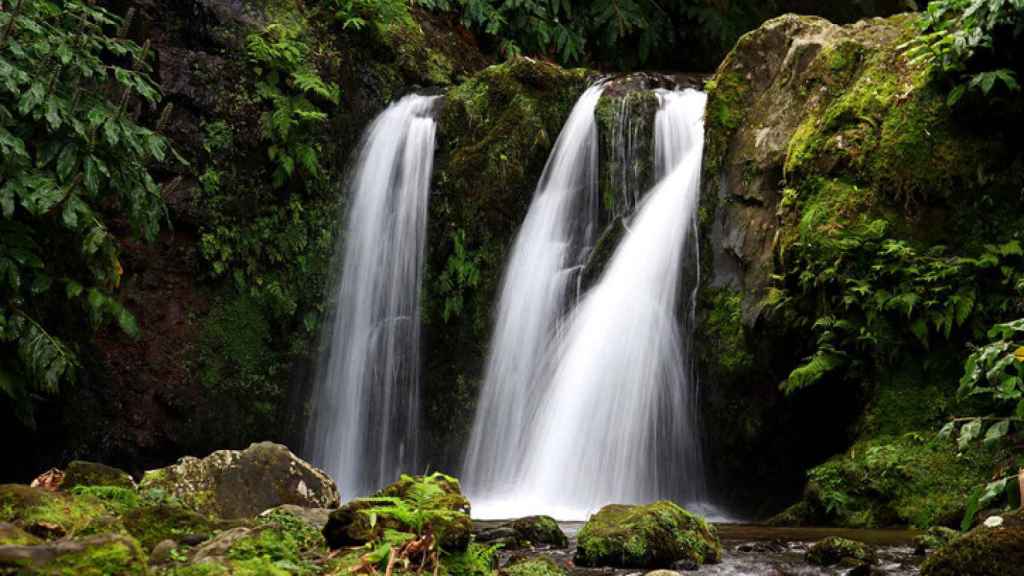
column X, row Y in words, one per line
column 540, row 531
column 437, row 495
column 83, row 473
column 216, row 549
column 936, row 537
column 96, row 555
column 982, row 551
column 162, row 551
column 663, row 573
column 504, row 535
column 154, row 524
column 835, row 550
column 11, row 534
column 243, row 483
column 49, row 514
column 535, row 566
column 652, row 536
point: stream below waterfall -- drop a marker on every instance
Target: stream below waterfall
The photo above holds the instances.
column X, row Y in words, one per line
column 755, row 550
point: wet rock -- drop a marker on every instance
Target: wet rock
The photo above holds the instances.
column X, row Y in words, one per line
column 162, row 551
column 657, row 535
column 982, row 551
column 83, row 473
column 104, row 554
column 504, row 535
column 935, row 538
column 437, row 496
column 835, row 550
column 528, row 532
column 243, row 483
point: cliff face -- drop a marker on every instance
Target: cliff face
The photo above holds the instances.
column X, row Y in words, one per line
column 843, row 201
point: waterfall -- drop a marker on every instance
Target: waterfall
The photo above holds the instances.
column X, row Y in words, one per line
column 558, row 230
column 366, row 403
column 618, row 419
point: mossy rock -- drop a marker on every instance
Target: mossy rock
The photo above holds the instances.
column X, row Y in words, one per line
column 983, row 551
column 82, row 473
column 538, row 566
column 835, row 550
column 436, row 499
column 936, row 537
column 12, row 535
column 650, row 536
column 101, row 555
column 154, row 524
column 51, row 514
column 242, row 483
column 276, row 543
column 540, row 531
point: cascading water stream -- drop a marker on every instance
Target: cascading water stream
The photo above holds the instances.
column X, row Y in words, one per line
column 558, row 230
column 366, row 402
column 617, row 423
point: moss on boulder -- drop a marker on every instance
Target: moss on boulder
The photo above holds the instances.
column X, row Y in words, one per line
column 836, row 550
column 49, row 514
column 243, row 483
column 982, row 551
column 100, row 555
column 82, row 473
column 540, row 531
column 408, row 506
column 650, row 536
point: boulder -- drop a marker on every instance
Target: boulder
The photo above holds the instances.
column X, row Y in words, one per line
column 935, row 538
column 83, row 473
column 982, row 551
column 835, row 550
column 96, row 555
column 154, row 524
column 656, row 535
column 435, row 501
column 528, row 532
column 49, row 514
column 313, row 517
column 243, row 483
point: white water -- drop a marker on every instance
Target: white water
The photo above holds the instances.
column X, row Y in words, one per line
column 618, row 420
column 366, row 402
column 558, row 229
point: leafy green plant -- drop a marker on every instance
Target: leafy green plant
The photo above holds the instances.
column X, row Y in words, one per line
column 291, row 85
column 873, row 296
column 970, row 41
column 996, row 370
column 461, row 273
column 70, row 148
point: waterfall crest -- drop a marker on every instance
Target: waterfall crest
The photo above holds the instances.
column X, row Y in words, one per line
column 551, row 244
column 366, row 402
column 617, row 421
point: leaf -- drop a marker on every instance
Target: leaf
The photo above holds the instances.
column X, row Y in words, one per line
column 997, row 431
column 968, row 433
column 947, row 430
column 971, row 508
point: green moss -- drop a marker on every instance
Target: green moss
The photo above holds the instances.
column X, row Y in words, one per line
column 539, row 530
column 26, row 507
column 98, row 556
column 834, row 549
column 81, row 473
column 11, row 535
column 475, row 560
column 651, row 536
column 155, row 523
column 533, row 567
column 981, row 552
column 725, row 334
column 913, row 479
column 118, row 500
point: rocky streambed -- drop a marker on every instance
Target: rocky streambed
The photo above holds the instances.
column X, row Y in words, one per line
column 752, row 550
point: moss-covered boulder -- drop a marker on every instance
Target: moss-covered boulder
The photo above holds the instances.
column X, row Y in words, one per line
column 101, row 555
column 982, row 551
column 83, row 473
column 412, row 505
column 50, row 514
column 936, row 537
column 825, row 144
column 836, row 550
column 152, row 524
column 243, row 483
column 540, row 531
column 11, row 534
column 650, row 536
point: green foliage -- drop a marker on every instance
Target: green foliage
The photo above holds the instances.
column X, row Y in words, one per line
column 462, row 273
column 70, row 146
column 293, row 87
column 996, row 370
column 972, row 43
column 356, row 14
column 874, row 298
column 284, row 542
column 575, row 31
